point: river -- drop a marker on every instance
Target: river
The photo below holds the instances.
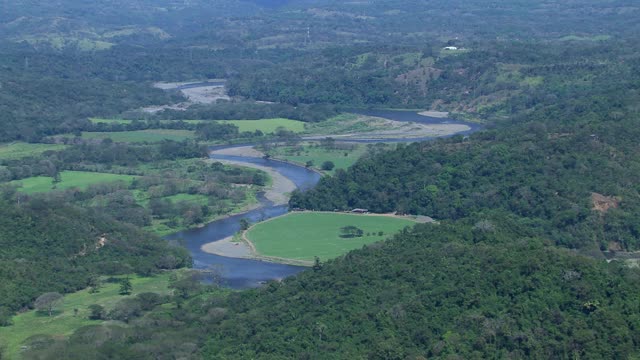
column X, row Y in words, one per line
column 243, row 273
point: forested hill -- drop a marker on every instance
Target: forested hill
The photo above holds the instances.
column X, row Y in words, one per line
column 49, row 245
column 565, row 164
column 574, row 185
column 436, row 291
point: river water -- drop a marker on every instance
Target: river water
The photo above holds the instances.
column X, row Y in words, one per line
column 243, row 273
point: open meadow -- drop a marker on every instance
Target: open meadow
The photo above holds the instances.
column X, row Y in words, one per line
column 68, row 180
column 141, row 136
column 65, row 319
column 18, row 150
column 342, row 156
column 267, row 126
column 302, row 236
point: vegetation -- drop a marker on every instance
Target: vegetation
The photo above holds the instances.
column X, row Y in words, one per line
column 142, row 136
column 61, row 247
column 65, row 320
column 503, row 295
column 514, row 268
column 18, row 150
column 321, row 153
column 68, row 180
column 303, row 236
column 267, row 126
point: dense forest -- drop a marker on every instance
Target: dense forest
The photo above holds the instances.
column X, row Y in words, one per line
column 514, row 265
column 396, row 300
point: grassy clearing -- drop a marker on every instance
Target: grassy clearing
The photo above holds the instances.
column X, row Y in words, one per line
column 69, row 179
column 346, row 123
column 301, row 236
column 60, row 42
column 65, row 321
column 155, row 135
column 267, row 126
column 341, row 158
column 19, row 150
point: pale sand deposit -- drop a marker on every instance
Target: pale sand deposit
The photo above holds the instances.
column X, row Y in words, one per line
column 248, row 151
column 434, row 114
column 226, row 247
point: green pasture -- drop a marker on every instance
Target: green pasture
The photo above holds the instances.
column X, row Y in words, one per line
column 267, row 126
column 140, row 136
column 68, row 180
column 65, row 320
column 342, row 159
column 20, row 150
column 301, row 236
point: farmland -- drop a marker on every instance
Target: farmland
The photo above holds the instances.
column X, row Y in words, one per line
column 267, row 126
column 141, row 136
column 302, row 236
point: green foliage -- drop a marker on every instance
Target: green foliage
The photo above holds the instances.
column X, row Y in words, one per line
column 327, row 165
column 51, row 246
column 545, row 173
column 97, row 312
column 350, row 231
column 476, row 299
column 65, row 321
column 125, row 286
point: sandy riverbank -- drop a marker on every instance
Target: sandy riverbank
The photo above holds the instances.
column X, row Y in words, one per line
column 226, row 247
column 434, row 114
column 206, row 94
column 248, row 151
column 382, row 128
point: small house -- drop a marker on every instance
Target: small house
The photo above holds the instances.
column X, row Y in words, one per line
column 359, row 211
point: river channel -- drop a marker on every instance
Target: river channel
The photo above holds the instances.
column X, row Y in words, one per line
column 243, row 273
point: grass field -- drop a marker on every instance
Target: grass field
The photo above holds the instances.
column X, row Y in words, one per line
column 342, row 159
column 267, row 126
column 301, row 236
column 65, row 321
column 19, row 150
column 155, row 135
column 69, row 179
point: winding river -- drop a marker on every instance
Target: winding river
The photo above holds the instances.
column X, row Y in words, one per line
column 243, row 273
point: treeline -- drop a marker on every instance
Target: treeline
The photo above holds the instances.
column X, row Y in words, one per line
column 107, row 153
column 567, row 147
column 52, row 246
column 549, row 176
column 32, row 108
column 487, row 291
column 244, row 111
column 491, row 80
